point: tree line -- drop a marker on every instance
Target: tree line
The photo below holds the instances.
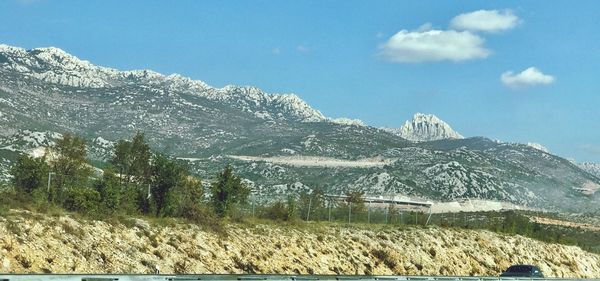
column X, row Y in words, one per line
column 136, row 181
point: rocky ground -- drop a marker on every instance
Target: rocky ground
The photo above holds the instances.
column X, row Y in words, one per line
column 31, row 242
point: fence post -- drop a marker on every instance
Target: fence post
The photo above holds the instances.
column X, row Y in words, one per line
column 429, row 217
column 349, row 212
column 369, row 213
column 308, row 213
column 386, row 214
column 329, row 210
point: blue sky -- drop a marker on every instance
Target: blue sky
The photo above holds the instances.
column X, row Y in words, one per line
column 379, row 61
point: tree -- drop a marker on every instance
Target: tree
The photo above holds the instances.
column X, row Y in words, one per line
column 29, row 173
column 140, row 158
column 313, row 202
column 166, row 175
column 121, row 160
column 69, row 164
column 226, row 191
column 110, row 191
column 356, row 200
column 185, row 199
column 132, row 159
column 132, row 162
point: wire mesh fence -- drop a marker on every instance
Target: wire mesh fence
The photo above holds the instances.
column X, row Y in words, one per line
column 324, row 209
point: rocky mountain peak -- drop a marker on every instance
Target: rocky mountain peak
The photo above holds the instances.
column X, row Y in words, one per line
column 427, row 127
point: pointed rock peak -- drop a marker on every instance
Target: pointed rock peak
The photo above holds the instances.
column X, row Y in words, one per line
column 427, row 127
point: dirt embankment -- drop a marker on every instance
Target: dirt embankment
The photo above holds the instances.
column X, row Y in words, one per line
column 39, row 243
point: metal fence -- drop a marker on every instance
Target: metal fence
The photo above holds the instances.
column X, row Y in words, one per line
column 132, row 277
column 338, row 210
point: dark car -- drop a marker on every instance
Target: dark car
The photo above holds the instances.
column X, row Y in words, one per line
column 523, row 270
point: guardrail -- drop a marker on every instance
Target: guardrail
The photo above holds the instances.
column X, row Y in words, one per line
column 172, row 277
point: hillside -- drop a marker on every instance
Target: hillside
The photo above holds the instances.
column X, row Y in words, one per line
column 31, row 242
column 272, row 140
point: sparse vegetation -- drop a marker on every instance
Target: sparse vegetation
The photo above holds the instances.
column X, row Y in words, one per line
column 159, row 186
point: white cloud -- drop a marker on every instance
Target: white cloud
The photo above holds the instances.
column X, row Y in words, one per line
column 485, row 20
column 433, row 45
column 528, row 77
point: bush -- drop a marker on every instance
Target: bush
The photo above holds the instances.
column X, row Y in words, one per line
column 227, row 191
column 204, row 217
column 277, row 211
column 29, row 173
column 83, row 200
column 280, row 211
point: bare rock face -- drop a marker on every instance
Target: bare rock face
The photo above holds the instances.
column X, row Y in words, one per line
column 37, row 243
column 427, row 127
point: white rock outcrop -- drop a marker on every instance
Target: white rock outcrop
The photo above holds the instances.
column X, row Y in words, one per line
column 426, row 127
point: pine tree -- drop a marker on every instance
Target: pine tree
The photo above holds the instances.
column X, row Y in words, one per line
column 140, row 159
column 110, row 191
column 121, row 160
column 226, row 191
column 166, row 175
column 29, row 173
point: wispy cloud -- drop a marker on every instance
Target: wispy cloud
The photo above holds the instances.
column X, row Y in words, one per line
column 526, row 78
column 485, row 20
column 433, row 45
column 591, row 149
column 302, row 48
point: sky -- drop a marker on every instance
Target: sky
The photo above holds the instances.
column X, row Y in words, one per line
column 516, row 71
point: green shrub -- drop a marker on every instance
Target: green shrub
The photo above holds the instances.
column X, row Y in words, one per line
column 81, row 199
column 277, row 211
column 29, row 174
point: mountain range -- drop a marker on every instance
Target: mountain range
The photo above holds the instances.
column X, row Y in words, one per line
column 277, row 142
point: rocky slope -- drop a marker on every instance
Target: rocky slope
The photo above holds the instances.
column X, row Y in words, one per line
column 32, row 242
column 592, row 168
column 274, row 141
